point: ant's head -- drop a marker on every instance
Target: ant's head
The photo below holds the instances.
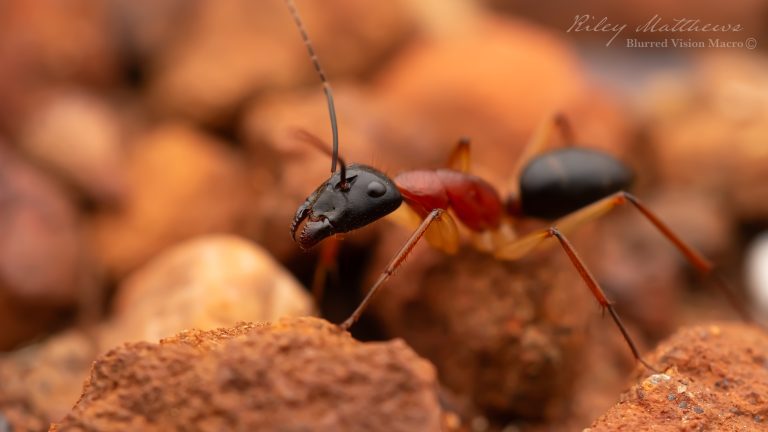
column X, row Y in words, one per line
column 352, row 198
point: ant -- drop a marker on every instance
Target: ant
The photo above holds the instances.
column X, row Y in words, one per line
column 570, row 185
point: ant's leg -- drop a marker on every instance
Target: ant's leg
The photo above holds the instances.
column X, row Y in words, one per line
column 485, row 241
column 563, row 126
column 459, row 159
column 326, row 263
column 526, row 244
column 703, row 265
column 586, row 275
column 398, row 259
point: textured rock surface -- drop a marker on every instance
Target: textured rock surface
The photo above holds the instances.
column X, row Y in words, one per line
column 209, row 282
column 715, row 378
column 291, row 375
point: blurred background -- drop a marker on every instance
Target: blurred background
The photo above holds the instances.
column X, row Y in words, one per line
column 148, row 177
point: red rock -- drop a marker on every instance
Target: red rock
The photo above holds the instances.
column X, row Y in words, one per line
column 40, row 243
column 204, row 283
column 79, row 136
column 42, row 254
column 231, row 50
column 42, row 45
column 715, row 378
column 181, row 183
column 301, row 373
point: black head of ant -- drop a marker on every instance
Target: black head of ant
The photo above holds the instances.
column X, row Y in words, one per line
column 352, row 197
column 335, row 208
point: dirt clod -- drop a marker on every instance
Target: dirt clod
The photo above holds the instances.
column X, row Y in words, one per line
column 295, row 374
column 691, row 394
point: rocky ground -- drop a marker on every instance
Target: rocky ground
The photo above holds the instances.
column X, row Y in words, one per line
column 714, row 378
column 149, row 171
column 300, row 374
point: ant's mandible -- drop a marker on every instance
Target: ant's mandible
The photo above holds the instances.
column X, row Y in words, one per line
column 572, row 185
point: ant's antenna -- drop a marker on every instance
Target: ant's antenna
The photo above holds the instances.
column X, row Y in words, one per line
column 320, row 145
column 326, row 85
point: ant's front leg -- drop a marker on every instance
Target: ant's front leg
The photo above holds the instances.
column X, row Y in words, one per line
column 436, row 216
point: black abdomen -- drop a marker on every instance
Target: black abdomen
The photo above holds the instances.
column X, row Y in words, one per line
column 559, row 182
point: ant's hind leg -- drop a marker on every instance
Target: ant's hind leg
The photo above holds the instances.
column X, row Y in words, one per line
column 597, row 292
column 523, row 246
column 528, row 243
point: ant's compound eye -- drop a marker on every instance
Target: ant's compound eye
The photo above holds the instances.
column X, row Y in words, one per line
column 376, row 189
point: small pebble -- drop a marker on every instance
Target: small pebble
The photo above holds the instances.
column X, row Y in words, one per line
column 683, row 405
column 698, row 409
column 657, row 378
column 758, row 419
column 654, row 380
column 6, row 427
column 671, row 397
column 682, row 388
